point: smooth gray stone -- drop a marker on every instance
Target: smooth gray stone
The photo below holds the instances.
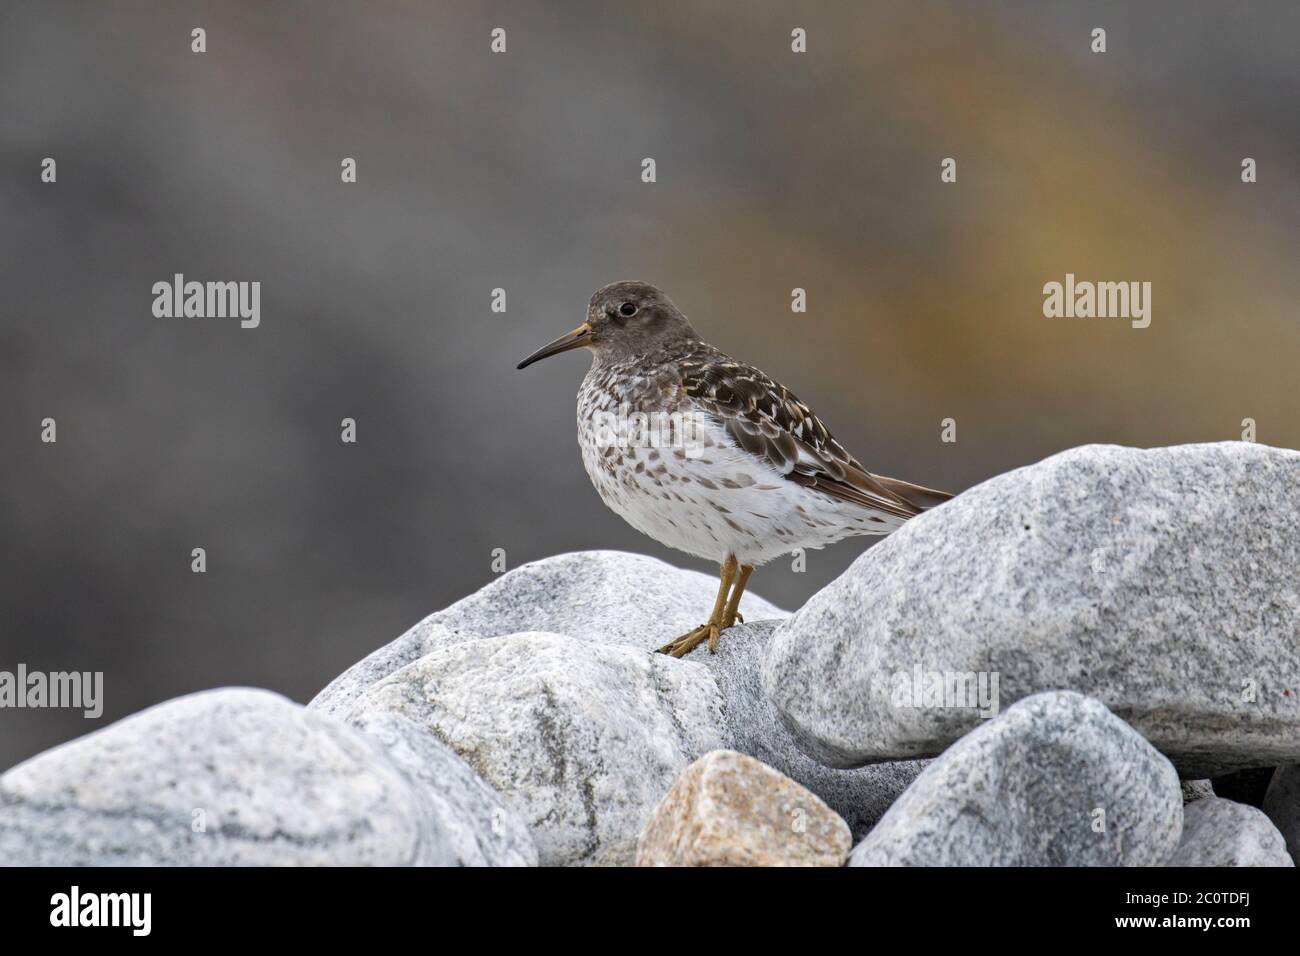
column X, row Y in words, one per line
column 1218, row 832
column 1164, row 582
column 580, row 739
column 610, row 597
column 479, row 827
column 1055, row 780
column 228, row 777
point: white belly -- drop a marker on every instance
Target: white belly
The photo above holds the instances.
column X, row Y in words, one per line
column 705, row 495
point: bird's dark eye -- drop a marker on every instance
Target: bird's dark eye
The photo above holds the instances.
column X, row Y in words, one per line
column 627, row 308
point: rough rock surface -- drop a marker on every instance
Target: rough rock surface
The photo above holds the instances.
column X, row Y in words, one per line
column 728, row 809
column 861, row 796
column 610, row 597
column 1282, row 804
column 1194, row 790
column 1219, row 832
column 580, row 739
column 1055, row 780
column 225, row 777
column 474, row 821
column 626, row 600
column 1163, row 582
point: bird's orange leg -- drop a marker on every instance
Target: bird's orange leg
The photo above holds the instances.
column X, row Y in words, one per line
column 692, row 639
column 732, row 614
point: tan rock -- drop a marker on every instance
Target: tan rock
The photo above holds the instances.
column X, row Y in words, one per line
column 727, row 809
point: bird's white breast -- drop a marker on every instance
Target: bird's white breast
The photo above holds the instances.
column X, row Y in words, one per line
column 673, row 473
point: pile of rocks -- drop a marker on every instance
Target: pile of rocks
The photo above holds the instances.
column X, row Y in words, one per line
column 1019, row 677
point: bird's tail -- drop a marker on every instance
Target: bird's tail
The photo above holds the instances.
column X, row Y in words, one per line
column 918, row 496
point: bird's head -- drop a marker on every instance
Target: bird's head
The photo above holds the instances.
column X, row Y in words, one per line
column 624, row 320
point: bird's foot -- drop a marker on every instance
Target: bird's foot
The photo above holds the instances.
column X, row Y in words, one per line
column 726, row 611
column 693, row 639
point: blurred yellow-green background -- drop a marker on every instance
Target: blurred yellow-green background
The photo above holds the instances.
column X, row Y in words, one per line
column 521, row 171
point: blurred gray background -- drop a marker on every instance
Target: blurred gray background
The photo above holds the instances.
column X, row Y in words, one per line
column 522, row 171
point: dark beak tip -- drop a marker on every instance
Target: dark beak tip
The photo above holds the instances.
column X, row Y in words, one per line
column 575, row 339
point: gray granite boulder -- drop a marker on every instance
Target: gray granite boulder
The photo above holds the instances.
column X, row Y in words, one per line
column 1164, row 582
column 1282, row 804
column 1055, row 780
column 627, row 600
column 610, row 597
column 226, row 777
column 580, row 739
column 474, row 822
column 860, row 796
column 1218, row 832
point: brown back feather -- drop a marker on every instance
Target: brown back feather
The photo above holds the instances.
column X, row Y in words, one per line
column 768, row 420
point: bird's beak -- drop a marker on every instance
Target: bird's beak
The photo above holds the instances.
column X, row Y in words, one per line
column 573, row 340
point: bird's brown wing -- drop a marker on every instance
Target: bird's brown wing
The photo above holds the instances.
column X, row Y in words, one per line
column 768, row 420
